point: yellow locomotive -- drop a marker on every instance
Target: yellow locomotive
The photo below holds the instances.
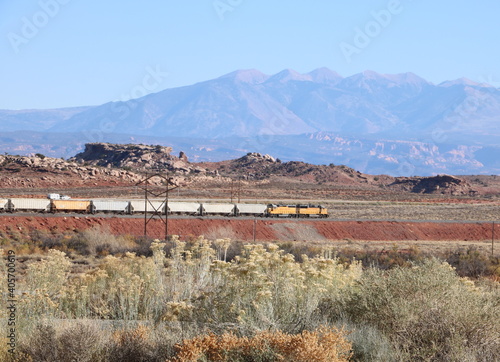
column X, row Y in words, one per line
column 296, row 211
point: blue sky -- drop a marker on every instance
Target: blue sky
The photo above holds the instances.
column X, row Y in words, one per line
column 60, row 53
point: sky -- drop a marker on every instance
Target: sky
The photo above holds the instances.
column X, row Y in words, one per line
column 65, row 53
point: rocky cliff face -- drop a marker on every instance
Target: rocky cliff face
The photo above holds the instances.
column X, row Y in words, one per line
column 40, row 171
column 441, row 184
column 136, row 157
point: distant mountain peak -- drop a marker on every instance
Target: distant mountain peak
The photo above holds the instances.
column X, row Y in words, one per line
column 408, row 78
column 364, row 79
column 464, row 82
column 371, row 74
column 251, row 76
column 289, row 74
column 325, row 75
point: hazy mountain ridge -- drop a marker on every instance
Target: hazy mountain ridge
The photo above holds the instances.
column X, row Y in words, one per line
column 448, row 127
column 35, row 119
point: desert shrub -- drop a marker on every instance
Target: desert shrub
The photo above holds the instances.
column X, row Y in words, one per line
column 324, row 344
column 142, row 343
column 79, row 244
column 131, row 345
column 44, row 281
column 382, row 259
column 188, row 270
column 142, row 247
column 369, row 344
column 261, row 289
column 99, row 240
column 299, row 249
column 15, row 356
column 57, row 340
column 42, row 344
column 427, row 311
column 221, row 247
column 46, row 240
column 80, row 342
column 266, row 288
column 127, row 288
column 235, row 249
column 473, row 263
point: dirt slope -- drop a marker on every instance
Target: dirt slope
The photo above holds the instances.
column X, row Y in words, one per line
column 266, row 230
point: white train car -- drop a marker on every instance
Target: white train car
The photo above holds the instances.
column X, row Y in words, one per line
column 25, row 204
column 111, row 206
column 251, row 209
column 218, row 209
column 149, row 207
column 184, row 208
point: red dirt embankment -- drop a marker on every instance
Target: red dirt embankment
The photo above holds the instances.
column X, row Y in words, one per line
column 265, row 230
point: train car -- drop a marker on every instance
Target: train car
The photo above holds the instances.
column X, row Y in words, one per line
column 218, row 209
column 110, row 206
column 83, row 206
column 251, row 209
column 296, row 211
column 150, row 207
column 184, row 208
column 25, row 204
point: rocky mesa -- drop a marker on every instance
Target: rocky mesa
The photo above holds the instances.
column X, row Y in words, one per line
column 104, row 164
column 136, row 157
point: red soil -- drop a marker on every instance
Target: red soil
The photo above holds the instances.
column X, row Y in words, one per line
column 266, row 230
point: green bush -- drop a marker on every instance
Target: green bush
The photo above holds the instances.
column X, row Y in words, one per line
column 427, row 312
column 369, row 344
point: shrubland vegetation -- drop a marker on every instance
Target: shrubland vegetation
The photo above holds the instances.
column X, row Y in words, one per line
column 129, row 299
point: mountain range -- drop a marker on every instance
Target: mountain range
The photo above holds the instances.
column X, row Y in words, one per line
column 378, row 123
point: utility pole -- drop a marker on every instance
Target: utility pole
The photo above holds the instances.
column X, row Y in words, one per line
column 146, row 195
column 156, row 192
column 236, row 190
column 239, row 189
column 254, row 228
column 492, row 237
column 232, row 191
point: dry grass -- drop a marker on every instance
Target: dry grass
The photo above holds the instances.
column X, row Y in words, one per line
column 414, row 211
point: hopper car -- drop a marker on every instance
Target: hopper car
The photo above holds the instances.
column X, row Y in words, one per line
column 141, row 206
column 82, row 206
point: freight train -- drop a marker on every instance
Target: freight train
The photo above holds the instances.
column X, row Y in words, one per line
column 129, row 207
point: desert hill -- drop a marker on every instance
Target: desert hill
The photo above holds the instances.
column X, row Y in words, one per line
column 118, row 167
